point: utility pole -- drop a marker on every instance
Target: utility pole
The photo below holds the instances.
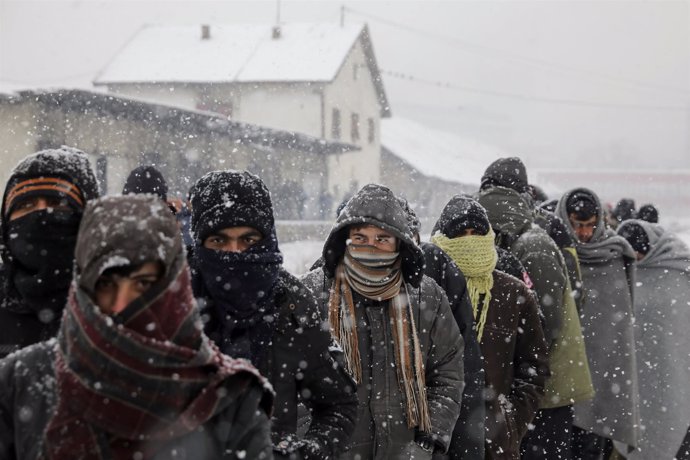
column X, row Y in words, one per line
column 342, row 15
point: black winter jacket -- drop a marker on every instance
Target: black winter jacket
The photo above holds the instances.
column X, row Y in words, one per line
column 468, row 436
column 303, row 367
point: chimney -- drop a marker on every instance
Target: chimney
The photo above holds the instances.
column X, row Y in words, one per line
column 276, row 32
column 205, row 31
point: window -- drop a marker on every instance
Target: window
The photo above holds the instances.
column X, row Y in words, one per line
column 371, row 134
column 335, row 126
column 354, row 128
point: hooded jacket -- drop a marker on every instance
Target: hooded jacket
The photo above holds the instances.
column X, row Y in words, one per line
column 298, row 360
column 23, row 323
column 512, row 216
column 382, row 431
column 607, row 263
column 513, row 346
column 107, row 386
column 662, row 319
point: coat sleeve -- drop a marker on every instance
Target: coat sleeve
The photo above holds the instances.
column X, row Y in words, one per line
column 251, row 429
column 531, row 368
column 547, row 270
column 7, row 411
column 444, row 365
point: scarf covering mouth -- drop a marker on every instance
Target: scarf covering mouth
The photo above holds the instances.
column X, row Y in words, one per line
column 376, row 275
column 477, row 257
column 131, row 382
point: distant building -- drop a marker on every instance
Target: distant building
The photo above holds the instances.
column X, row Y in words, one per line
column 318, row 79
column 429, row 166
column 121, row 133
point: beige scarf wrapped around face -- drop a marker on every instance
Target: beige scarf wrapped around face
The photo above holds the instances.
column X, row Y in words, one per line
column 476, row 257
column 376, row 274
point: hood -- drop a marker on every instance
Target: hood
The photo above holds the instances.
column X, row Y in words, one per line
column 600, row 232
column 127, row 230
column 510, row 212
column 665, row 248
column 462, row 212
column 375, row 205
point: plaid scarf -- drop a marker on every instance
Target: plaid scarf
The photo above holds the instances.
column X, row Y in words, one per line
column 476, row 257
column 376, row 274
column 132, row 382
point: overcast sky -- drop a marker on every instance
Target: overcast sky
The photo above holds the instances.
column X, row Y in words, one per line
column 560, row 83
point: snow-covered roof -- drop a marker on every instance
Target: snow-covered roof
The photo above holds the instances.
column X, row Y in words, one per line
column 437, row 153
column 240, row 53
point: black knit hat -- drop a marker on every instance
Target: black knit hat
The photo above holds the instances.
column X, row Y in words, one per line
column 461, row 213
column 624, row 210
column 146, row 179
column 583, row 205
column 506, row 172
column 412, row 220
column 64, row 172
column 636, row 236
column 222, row 199
column 649, row 213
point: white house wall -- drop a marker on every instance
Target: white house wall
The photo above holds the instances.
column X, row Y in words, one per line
column 173, row 94
column 350, row 95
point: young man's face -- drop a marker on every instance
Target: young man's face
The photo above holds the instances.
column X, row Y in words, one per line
column 233, row 239
column 373, row 236
column 584, row 229
column 38, row 203
column 115, row 291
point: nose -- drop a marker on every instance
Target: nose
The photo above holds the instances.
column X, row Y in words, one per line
column 233, row 246
column 41, row 204
column 123, row 297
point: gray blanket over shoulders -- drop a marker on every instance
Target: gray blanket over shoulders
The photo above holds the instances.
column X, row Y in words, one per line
column 662, row 321
column 607, row 263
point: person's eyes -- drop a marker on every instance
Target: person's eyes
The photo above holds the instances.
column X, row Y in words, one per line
column 251, row 240
column 104, row 283
column 383, row 239
column 26, row 204
column 144, row 284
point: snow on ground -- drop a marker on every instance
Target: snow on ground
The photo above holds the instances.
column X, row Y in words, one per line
column 300, row 255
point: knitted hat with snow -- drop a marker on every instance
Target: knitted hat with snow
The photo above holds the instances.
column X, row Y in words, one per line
column 636, row 236
column 65, row 173
column 649, row 213
column 412, row 220
column 146, row 179
column 461, row 213
column 624, row 210
column 222, row 199
column 506, row 172
column 583, row 205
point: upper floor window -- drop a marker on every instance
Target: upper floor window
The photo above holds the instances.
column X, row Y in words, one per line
column 354, row 127
column 371, row 133
column 335, row 124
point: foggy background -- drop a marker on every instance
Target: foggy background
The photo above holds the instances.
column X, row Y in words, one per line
column 600, row 84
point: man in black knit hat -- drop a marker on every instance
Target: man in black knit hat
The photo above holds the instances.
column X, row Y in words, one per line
column 254, row 309
column 146, row 179
column 41, row 210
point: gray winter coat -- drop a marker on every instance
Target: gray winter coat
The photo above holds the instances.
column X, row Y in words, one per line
column 382, row 431
column 607, row 263
column 662, row 321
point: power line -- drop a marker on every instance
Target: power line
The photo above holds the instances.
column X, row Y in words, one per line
column 476, row 48
column 522, row 97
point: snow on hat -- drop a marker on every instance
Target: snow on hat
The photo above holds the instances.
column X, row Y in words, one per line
column 461, row 213
column 507, row 172
column 649, row 213
column 582, row 204
column 624, row 210
column 64, row 172
column 222, row 199
column 636, row 236
column 412, row 220
column 146, row 179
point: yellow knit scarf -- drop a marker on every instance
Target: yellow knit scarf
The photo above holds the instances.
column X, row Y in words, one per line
column 476, row 257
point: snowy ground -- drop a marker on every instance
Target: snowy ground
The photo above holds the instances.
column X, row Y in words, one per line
column 300, row 255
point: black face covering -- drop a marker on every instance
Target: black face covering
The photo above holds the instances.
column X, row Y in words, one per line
column 41, row 245
column 240, row 285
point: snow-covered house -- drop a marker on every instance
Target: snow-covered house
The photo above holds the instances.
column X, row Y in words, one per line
column 318, row 79
column 120, row 133
column 428, row 166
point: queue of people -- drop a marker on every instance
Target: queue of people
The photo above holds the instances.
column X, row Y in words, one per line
column 138, row 327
